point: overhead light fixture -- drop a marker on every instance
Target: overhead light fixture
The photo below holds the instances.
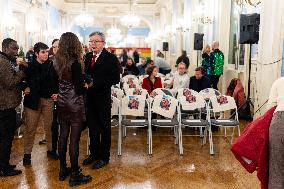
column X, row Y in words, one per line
column 84, row 20
column 200, row 16
column 113, row 34
column 249, row 2
column 130, row 20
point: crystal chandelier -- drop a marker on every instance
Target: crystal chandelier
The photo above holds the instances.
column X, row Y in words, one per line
column 130, row 20
column 250, row 2
column 113, row 34
column 84, row 20
column 200, row 17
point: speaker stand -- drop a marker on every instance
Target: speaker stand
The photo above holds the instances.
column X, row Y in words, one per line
column 249, row 78
column 197, row 58
column 248, row 101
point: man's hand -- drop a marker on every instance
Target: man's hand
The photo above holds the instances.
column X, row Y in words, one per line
column 27, row 91
column 87, row 86
column 21, row 61
column 54, row 97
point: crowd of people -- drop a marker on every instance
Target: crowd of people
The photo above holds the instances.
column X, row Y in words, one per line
column 69, row 85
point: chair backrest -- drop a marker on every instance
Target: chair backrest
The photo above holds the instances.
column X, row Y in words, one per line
column 115, row 105
column 118, row 93
column 130, row 79
column 141, row 78
column 136, row 91
column 190, row 99
column 223, row 103
column 133, row 105
column 164, row 105
column 209, row 92
column 158, row 91
column 160, row 75
column 167, row 82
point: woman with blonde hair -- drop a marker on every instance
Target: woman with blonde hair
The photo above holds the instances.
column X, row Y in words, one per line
column 71, row 110
column 205, row 60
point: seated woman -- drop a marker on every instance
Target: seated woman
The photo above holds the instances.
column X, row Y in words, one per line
column 152, row 82
column 181, row 78
column 130, row 68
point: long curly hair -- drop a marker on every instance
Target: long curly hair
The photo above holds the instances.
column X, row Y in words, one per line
column 69, row 49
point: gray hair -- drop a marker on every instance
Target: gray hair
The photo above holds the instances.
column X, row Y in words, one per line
column 182, row 63
column 101, row 34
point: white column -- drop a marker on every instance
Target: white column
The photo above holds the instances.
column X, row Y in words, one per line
column 270, row 48
column 223, row 37
column 179, row 34
column 193, row 29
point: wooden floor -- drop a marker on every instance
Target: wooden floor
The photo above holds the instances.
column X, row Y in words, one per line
column 166, row 169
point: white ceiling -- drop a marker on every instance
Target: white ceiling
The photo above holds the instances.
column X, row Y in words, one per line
column 105, row 10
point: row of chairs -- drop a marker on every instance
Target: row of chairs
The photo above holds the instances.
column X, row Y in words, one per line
column 187, row 109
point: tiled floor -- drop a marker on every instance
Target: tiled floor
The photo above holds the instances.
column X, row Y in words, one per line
column 166, row 169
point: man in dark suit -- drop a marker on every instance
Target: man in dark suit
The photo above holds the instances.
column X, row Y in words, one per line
column 103, row 69
column 199, row 82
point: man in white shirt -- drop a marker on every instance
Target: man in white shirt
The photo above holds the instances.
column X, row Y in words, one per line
column 162, row 65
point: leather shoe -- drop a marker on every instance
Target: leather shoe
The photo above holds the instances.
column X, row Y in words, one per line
column 100, row 164
column 52, row 154
column 89, row 160
column 11, row 166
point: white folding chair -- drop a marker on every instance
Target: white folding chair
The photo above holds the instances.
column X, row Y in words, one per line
column 130, row 78
column 20, row 110
column 116, row 122
column 137, row 91
column 166, row 106
column 193, row 101
column 209, row 92
column 141, row 78
column 134, row 105
column 116, row 92
column 223, row 103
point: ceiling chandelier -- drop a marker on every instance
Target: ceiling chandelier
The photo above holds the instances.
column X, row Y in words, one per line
column 84, row 20
column 113, row 34
column 250, row 2
column 130, row 20
column 200, row 16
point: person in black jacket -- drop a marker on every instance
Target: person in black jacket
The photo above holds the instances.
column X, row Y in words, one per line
column 40, row 87
column 199, row 81
column 131, row 68
column 71, row 110
column 103, row 68
column 136, row 56
column 183, row 58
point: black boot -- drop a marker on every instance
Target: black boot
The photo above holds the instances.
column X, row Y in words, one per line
column 52, row 154
column 77, row 178
column 27, row 160
column 64, row 172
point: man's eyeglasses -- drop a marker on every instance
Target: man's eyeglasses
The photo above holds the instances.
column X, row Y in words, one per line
column 95, row 42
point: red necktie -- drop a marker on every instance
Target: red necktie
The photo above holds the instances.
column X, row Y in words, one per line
column 93, row 60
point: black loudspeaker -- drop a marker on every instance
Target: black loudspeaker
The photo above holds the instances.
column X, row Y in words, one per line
column 165, row 46
column 198, row 41
column 249, row 28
